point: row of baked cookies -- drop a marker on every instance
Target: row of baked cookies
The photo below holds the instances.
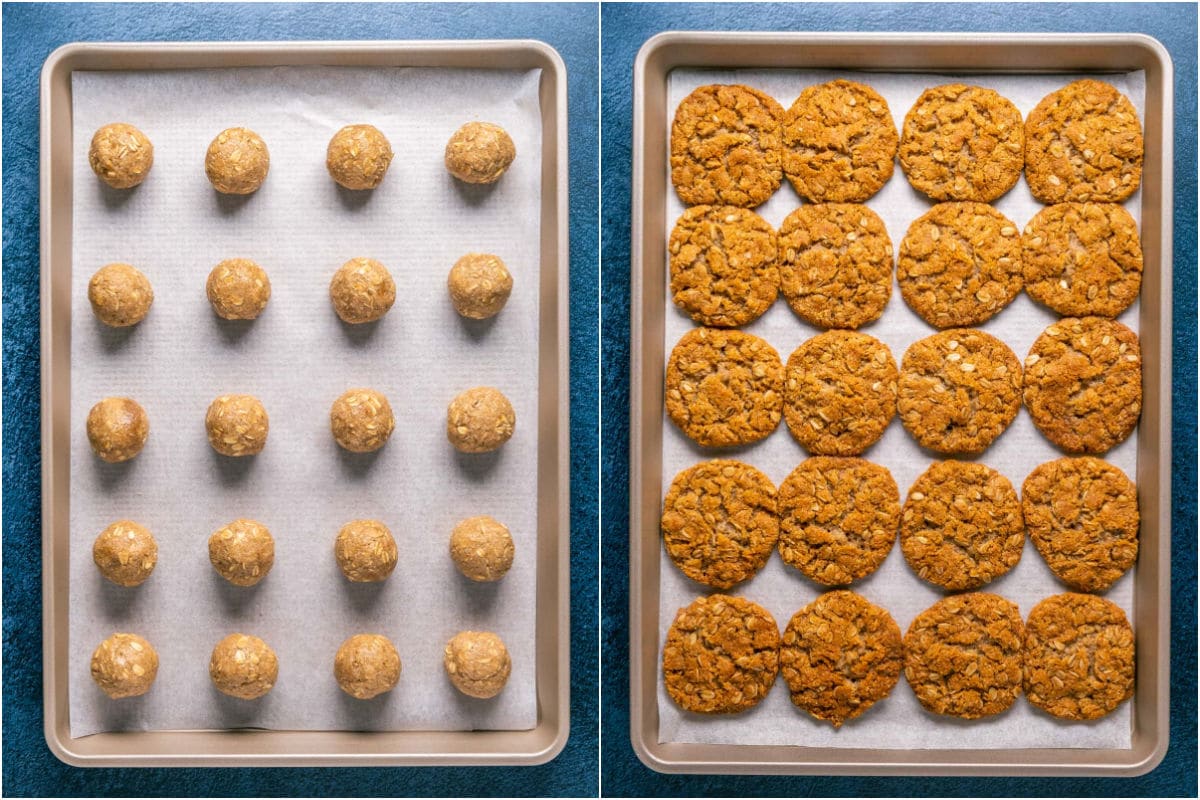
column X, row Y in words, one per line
column 732, row 144
column 967, row 656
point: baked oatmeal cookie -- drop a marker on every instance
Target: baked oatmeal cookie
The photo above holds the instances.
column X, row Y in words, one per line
column 959, row 390
column 1083, row 142
column 1082, row 259
column 962, row 143
column 721, row 655
column 840, row 655
column 1083, row 383
column 962, row 655
column 835, row 264
column 961, row 526
column 1082, row 515
column 839, row 142
column 960, row 264
column 724, row 388
column 840, row 392
column 719, row 522
column 723, row 265
column 1079, row 656
column 837, row 518
column 726, row 147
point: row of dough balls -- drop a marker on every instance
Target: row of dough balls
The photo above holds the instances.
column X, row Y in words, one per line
column 358, row 156
column 365, row 666
column 362, row 290
column 478, row 420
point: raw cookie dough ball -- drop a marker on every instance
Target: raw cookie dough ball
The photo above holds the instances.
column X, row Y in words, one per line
column 477, row 663
column 361, row 420
column 237, row 425
column 238, row 289
column 367, row 665
column 125, row 553
column 243, row 666
column 124, row 665
column 242, row 552
column 479, row 152
column 482, row 548
column 480, row 420
column 358, row 156
column 362, row 290
column 365, row 551
column 121, row 155
column 237, row 161
column 479, row 285
column 120, row 295
column 117, row 428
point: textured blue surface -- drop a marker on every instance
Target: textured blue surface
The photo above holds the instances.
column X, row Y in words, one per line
column 31, row 32
column 625, row 28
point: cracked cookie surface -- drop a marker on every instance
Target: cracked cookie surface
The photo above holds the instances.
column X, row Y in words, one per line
column 837, row 518
column 1083, row 383
column 721, row 655
column 723, row 265
column 839, row 142
column 835, row 264
column 961, row 525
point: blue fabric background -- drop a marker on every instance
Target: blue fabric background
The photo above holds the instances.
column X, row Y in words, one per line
column 625, row 28
column 31, row 32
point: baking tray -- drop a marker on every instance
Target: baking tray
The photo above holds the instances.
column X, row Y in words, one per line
column 963, row 53
column 309, row 748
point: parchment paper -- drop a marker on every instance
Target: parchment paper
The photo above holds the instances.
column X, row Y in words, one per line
column 297, row 358
column 899, row 721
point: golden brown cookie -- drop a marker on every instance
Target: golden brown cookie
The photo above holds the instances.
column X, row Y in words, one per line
column 961, row 526
column 840, row 390
column 1083, row 142
column 1079, row 656
column 835, row 264
column 1082, row 259
column 837, row 518
column 1083, row 383
column 726, row 147
column 724, row 388
column 840, row 655
column 959, row 390
column 839, row 142
column 962, row 655
column 960, row 264
column 719, row 524
column 1082, row 515
column 723, row 265
column 721, row 655
column 962, row 143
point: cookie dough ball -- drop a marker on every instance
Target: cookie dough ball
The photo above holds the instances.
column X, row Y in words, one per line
column 482, row 548
column 238, row 289
column 237, row 425
column 120, row 295
column 242, row 552
column 243, row 666
column 367, row 665
column 479, row 152
column 237, row 161
column 125, row 553
column 361, row 420
column 362, row 290
column 479, row 285
column 477, row 663
column 365, row 551
column 358, row 156
column 479, row 420
column 124, row 665
column 117, row 428
column 121, row 155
